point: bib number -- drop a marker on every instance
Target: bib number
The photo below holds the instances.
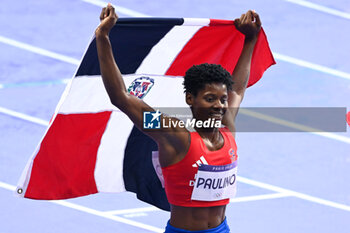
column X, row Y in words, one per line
column 215, row 183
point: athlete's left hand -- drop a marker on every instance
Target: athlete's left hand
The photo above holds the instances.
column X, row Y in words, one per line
column 249, row 24
column 108, row 19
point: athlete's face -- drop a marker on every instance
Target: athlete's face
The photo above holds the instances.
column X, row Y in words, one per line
column 210, row 102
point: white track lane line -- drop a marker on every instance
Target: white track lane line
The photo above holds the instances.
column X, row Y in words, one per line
column 118, row 9
column 293, row 125
column 108, row 216
column 311, row 66
column 321, row 8
column 133, row 210
column 234, row 200
column 7, row 186
column 94, row 212
column 23, row 116
column 259, row 197
column 40, row 51
column 293, row 193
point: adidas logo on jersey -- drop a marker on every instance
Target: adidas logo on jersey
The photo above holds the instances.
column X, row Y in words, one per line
column 200, row 161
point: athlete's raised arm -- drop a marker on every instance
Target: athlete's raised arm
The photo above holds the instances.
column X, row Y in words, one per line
column 112, row 78
column 132, row 106
column 249, row 24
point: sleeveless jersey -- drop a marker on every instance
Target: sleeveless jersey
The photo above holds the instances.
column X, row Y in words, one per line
column 179, row 178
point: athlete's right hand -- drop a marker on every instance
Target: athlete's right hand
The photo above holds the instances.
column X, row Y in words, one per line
column 108, row 19
column 249, row 24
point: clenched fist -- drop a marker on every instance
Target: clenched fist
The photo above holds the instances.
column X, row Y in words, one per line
column 108, row 19
column 249, row 24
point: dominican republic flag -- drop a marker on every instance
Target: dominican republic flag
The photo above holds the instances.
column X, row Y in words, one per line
column 90, row 146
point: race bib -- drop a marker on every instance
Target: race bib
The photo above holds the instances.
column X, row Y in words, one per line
column 215, row 183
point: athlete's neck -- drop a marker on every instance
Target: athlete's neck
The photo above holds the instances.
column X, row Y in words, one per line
column 211, row 134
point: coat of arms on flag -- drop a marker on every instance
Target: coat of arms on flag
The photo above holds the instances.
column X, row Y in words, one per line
column 141, row 86
column 90, row 146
